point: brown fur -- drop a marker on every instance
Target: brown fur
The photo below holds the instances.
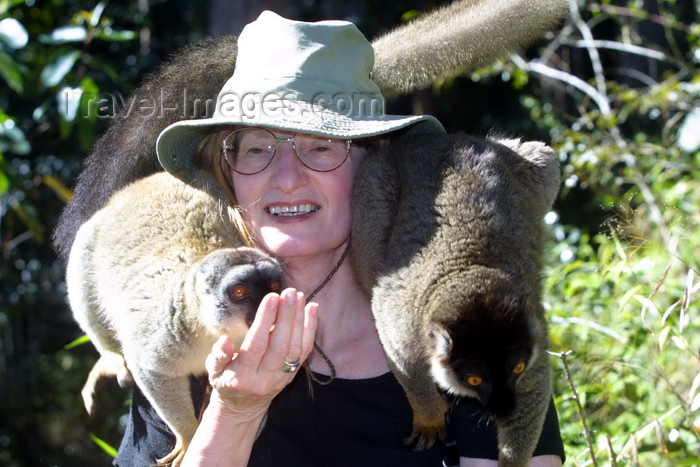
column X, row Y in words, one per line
column 447, row 237
column 459, row 38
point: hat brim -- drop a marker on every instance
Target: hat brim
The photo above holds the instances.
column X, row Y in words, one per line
column 177, row 144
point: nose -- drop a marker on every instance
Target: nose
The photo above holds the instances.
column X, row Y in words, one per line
column 289, row 173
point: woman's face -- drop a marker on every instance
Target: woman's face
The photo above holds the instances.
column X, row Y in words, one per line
column 293, row 211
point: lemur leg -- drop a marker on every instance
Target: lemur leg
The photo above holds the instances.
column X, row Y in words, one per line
column 109, row 364
column 174, row 405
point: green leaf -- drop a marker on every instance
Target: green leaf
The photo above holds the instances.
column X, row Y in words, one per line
column 107, row 34
column 13, row 33
column 519, row 78
column 86, row 131
column 89, row 86
column 411, row 14
column 30, row 218
column 105, row 66
column 104, row 445
column 64, row 35
column 58, row 187
column 4, row 183
column 88, row 114
column 12, row 138
column 689, row 462
column 11, row 73
column 96, row 14
column 4, row 179
column 74, row 104
column 663, row 336
column 7, row 5
column 65, row 126
column 53, row 73
column 84, row 339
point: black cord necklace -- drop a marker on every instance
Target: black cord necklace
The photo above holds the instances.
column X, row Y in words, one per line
column 316, row 346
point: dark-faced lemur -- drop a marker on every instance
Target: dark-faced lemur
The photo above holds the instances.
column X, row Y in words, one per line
column 453, row 40
column 154, row 278
column 449, row 232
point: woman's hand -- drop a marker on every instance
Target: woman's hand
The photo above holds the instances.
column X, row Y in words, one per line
column 246, row 382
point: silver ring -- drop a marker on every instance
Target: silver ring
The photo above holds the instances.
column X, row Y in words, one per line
column 290, row 367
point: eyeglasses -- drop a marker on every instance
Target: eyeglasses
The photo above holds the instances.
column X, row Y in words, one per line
column 250, row 150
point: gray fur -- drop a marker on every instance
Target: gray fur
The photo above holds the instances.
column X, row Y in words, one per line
column 150, row 278
column 438, row 224
column 459, row 38
column 445, row 43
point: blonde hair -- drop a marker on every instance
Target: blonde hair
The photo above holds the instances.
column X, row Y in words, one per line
column 208, row 157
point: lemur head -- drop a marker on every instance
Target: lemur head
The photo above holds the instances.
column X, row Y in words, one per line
column 485, row 352
column 231, row 282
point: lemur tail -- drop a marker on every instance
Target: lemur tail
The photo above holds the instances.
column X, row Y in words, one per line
column 459, row 38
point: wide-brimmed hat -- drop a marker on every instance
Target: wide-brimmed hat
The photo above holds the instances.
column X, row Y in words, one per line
column 295, row 76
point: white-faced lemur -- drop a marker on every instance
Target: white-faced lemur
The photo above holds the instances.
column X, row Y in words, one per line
column 154, row 278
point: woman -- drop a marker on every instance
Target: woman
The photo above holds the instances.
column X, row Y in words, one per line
column 290, row 129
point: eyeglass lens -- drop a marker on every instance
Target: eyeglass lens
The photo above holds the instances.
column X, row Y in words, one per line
column 250, row 150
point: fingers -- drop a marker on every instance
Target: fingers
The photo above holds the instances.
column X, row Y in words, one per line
column 251, row 376
column 221, row 354
column 308, row 330
column 303, row 333
column 285, row 340
column 266, row 348
column 256, row 341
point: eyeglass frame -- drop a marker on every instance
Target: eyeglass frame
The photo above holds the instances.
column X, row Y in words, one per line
column 279, row 140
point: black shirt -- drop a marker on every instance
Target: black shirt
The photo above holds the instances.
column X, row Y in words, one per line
column 346, row 423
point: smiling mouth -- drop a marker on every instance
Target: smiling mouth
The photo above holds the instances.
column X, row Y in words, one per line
column 296, row 210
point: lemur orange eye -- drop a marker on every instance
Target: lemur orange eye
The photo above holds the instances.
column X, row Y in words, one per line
column 519, row 368
column 239, row 292
column 275, row 286
column 474, row 380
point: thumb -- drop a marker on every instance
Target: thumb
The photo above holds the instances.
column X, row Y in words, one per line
column 222, row 352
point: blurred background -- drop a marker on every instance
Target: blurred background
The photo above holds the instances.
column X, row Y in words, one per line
column 615, row 90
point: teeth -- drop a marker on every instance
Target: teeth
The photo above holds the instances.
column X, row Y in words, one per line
column 292, row 210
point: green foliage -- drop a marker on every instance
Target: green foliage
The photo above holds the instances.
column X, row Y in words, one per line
column 628, row 314
column 53, row 57
column 106, row 447
column 623, row 271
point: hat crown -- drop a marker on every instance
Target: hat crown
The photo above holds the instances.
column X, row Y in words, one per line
column 295, row 76
column 326, row 63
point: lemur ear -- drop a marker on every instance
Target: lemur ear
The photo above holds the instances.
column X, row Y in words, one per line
column 441, row 340
column 539, row 171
